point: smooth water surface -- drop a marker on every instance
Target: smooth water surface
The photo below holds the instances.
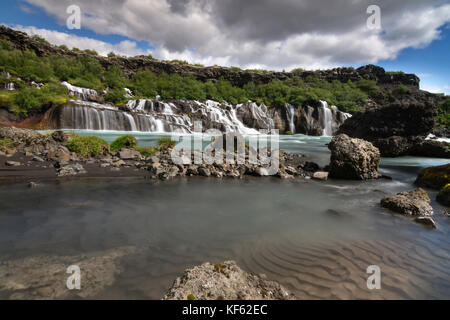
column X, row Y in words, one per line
column 315, row 238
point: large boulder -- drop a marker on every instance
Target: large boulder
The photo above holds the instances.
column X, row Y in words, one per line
column 444, row 195
column 224, row 281
column 353, row 158
column 434, row 177
column 409, row 203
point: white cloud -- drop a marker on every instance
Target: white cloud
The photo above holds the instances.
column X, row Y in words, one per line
column 271, row 34
column 125, row 47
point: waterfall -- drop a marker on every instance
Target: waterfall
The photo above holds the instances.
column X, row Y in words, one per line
column 327, row 119
column 83, row 93
column 290, row 111
column 10, row 86
column 148, row 115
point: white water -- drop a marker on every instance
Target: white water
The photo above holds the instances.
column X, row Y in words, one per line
column 327, row 119
column 10, row 86
column 83, row 93
column 290, row 111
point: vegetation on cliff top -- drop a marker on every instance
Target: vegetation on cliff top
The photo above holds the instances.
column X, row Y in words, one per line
column 86, row 71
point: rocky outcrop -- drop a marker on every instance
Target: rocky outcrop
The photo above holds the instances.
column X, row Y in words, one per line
column 353, row 158
column 434, row 177
column 397, row 127
column 131, row 65
column 410, row 203
column 224, row 281
column 431, row 148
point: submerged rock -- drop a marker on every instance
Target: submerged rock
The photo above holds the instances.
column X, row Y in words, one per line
column 409, row 203
column 353, row 158
column 45, row 276
column 224, row 281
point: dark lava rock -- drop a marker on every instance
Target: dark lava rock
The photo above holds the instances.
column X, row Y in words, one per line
column 353, row 158
column 434, row 177
column 409, row 203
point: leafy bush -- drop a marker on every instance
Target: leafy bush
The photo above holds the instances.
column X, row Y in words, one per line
column 40, row 39
column 63, row 47
column 147, row 151
column 166, row 143
column 444, row 112
column 6, row 45
column 91, row 52
column 115, row 96
column 6, row 143
column 111, row 55
column 31, row 99
column 87, row 146
column 401, row 90
column 126, row 141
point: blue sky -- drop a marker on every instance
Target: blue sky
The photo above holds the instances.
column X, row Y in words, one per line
column 171, row 29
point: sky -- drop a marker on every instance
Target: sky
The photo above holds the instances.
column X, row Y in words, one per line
column 414, row 35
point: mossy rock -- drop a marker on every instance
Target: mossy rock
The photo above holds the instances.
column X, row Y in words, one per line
column 434, row 177
column 444, row 195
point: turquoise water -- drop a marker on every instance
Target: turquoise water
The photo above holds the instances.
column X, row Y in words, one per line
column 315, row 238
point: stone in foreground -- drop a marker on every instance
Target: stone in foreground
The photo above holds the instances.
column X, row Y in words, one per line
column 409, row 203
column 224, row 281
column 426, row 221
column 353, row 159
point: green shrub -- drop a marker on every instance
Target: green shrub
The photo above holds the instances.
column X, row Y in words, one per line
column 63, row 47
column 190, row 296
column 115, row 96
column 6, row 143
column 91, row 52
column 40, row 39
column 111, row 55
column 126, row 141
column 6, row 45
column 31, row 99
column 401, row 90
column 166, row 143
column 90, row 146
column 147, row 151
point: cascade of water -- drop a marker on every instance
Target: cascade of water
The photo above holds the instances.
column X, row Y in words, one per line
column 290, row 111
column 327, row 119
column 83, row 93
column 10, row 86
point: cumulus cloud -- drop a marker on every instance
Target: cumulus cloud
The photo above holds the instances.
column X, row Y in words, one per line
column 280, row 34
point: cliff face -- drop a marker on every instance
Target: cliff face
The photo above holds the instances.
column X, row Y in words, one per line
column 130, row 65
column 397, row 127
